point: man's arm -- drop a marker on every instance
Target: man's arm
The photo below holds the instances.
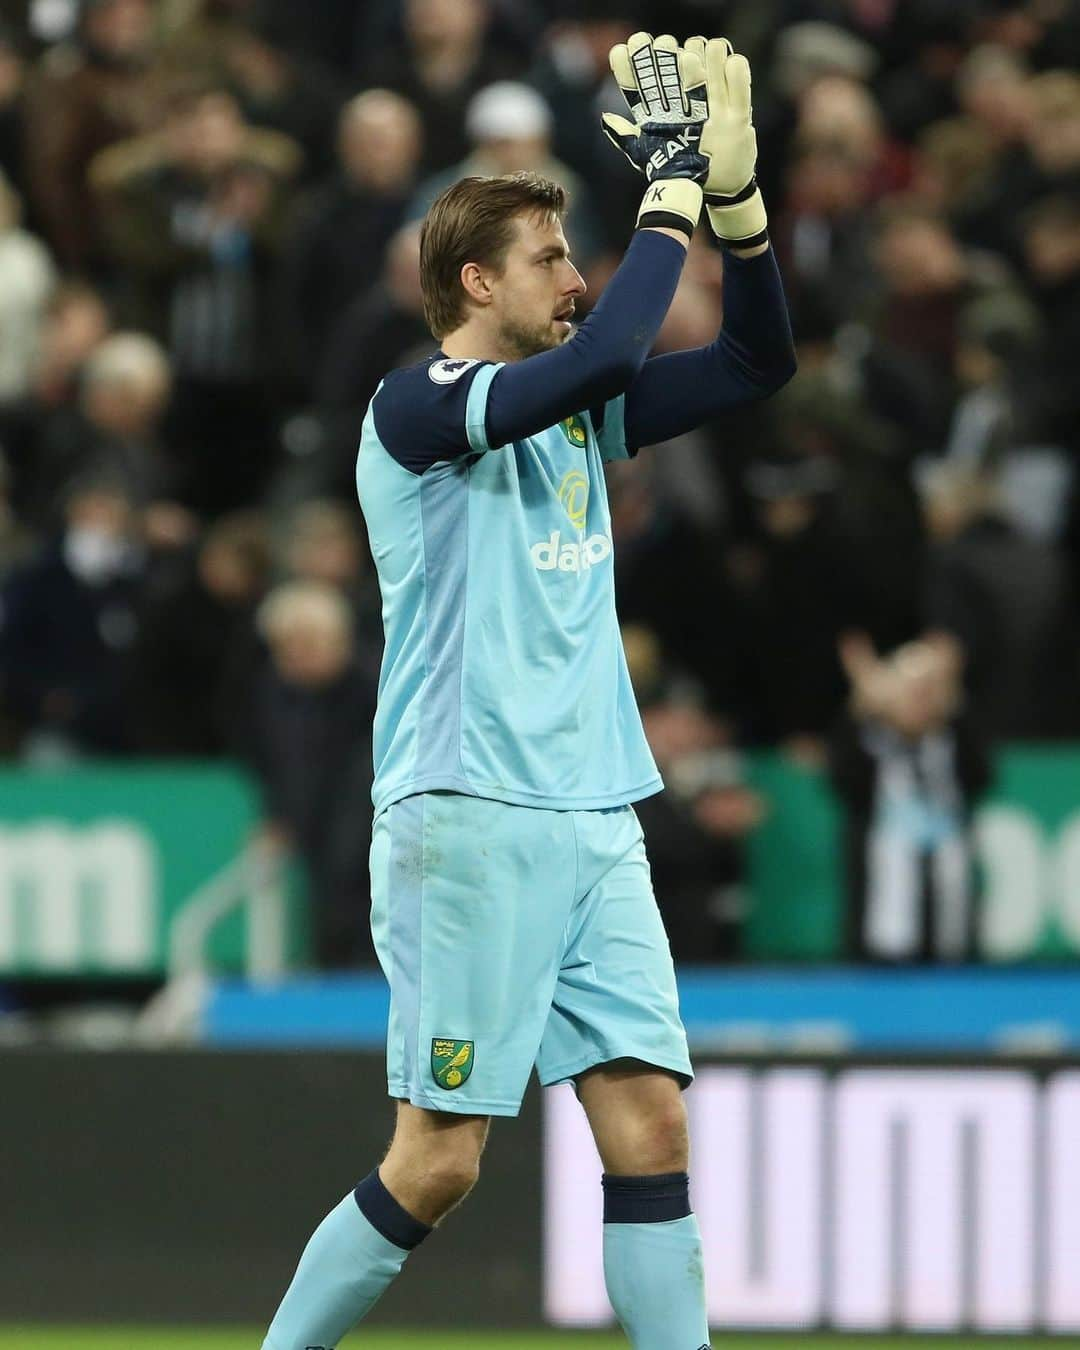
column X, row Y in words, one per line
column 753, row 355
column 603, row 357
column 665, row 90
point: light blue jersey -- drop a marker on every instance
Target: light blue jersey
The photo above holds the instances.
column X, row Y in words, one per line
column 504, row 675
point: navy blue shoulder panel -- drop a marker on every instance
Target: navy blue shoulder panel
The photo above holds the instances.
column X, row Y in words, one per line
column 420, row 412
column 596, row 416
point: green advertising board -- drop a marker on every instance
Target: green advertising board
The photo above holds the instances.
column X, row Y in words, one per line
column 98, row 864
column 143, row 870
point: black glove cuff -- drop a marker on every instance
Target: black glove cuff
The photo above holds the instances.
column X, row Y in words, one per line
column 752, row 241
column 665, row 220
column 743, row 195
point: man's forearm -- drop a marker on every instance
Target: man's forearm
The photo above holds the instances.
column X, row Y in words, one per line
column 751, row 358
column 606, row 353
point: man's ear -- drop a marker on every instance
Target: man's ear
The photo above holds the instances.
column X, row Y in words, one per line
column 476, row 282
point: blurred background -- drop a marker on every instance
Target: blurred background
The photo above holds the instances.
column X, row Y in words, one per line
column 852, row 615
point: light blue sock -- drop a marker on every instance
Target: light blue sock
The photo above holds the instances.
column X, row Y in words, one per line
column 653, row 1264
column 349, row 1260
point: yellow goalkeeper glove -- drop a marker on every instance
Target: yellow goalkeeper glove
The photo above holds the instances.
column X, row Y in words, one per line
column 664, row 87
column 736, row 210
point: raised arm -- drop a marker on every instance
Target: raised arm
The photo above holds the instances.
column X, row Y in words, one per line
column 664, row 87
column 753, row 355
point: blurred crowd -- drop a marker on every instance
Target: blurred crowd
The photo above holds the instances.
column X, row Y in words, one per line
column 208, row 259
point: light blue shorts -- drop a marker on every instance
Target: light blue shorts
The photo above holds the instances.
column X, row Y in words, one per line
column 514, row 936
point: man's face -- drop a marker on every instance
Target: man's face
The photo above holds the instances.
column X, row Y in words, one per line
column 121, row 28
column 533, row 298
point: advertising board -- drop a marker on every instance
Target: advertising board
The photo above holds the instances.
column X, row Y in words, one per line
column 862, row 1198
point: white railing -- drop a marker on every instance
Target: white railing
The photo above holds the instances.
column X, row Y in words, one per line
column 253, row 884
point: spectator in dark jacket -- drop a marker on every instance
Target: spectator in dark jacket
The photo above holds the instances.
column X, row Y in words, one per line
column 68, row 625
column 195, row 214
column 115, row 429
column 379, row 331
column 908, row 767
column 197, row 650
column 310, row 743
column 446, row 59
column 335, row 253
column 82, row 98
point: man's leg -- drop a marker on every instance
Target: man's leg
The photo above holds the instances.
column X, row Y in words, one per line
column 432, row 1164
column 652, row 1247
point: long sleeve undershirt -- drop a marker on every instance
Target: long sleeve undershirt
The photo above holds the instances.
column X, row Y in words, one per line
column 752, row 356
column 666, row 395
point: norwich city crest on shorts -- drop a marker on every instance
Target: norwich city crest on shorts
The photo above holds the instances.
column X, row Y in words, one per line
column 451, row 1062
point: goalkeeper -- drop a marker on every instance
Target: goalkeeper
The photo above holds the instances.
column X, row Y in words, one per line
column 511, row 903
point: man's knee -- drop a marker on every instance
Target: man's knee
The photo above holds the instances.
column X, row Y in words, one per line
column 638, row 1120
column 433, row 1163
column 663, row 1137
column 449, row 1175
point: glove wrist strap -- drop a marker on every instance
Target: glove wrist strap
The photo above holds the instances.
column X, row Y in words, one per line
column 671, row 203
column 742, row 224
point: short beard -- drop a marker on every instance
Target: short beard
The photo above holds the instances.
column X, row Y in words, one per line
column 524, row 342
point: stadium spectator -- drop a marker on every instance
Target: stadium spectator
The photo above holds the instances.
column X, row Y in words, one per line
column 75, row 323
column 1051, row 247
column 323, row 544
column 993, row 88
column 280, row 89
column 927, row 279
column 509, row 126
column 823, row 235
column 197, row 651
column 996, row 424
column 445, row 60
column 658, row 545
column 797, row 588
column 919, row 92
column 842, row 114
column 84, row 96
column 954, row 159
column 908, row 767
column 341, row 231
column 68, row 625
column 386, row 324
column 196, row 214
column 574, row 78
column 27, row 280
column 114, row 431
column 696, row 828
column 310, row 745
column 1005, row 596
column 1044, row 160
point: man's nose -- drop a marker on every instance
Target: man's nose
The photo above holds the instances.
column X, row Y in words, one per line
column 577, row 285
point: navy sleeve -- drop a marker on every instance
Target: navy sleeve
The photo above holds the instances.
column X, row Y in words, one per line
column 421, row 413
column 602, row 358
column 751, row 358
